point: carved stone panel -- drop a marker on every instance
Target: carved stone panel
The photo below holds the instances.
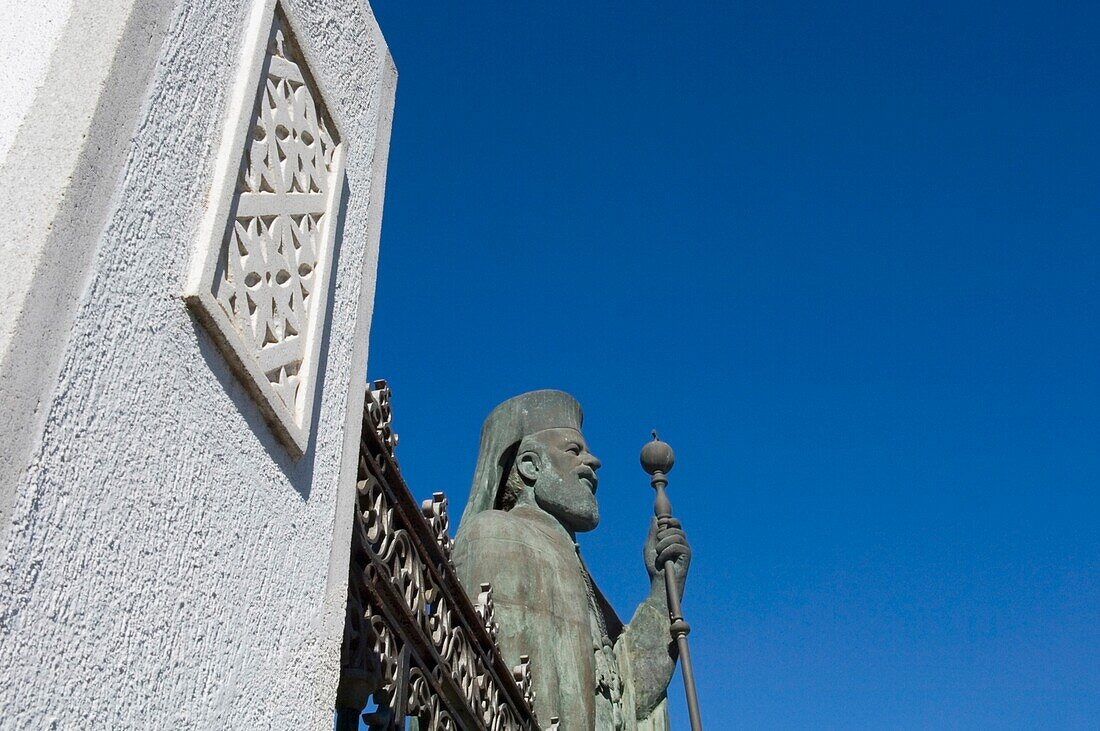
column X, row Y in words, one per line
column 259, row 280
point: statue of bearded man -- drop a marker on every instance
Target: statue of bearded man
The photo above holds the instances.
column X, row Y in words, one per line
column 534, row 489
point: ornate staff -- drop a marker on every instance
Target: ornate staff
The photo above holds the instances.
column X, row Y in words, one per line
column 657, row 460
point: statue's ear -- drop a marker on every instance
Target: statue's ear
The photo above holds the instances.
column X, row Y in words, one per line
column 528, row 464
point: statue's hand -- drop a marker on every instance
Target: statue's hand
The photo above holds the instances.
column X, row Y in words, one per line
column 667, row 545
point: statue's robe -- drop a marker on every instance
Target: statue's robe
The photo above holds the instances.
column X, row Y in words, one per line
column 547, row 609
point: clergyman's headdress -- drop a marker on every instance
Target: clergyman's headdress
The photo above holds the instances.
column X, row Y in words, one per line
column 504, row 429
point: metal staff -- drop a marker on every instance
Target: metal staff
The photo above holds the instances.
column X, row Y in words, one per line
column 657, row 460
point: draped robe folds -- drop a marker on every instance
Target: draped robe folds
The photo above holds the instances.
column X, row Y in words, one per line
column 544, row 610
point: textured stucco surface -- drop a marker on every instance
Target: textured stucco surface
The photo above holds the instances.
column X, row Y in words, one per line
column 27, row 39
column 58, row 183
column 165, row 563
column 80, row 52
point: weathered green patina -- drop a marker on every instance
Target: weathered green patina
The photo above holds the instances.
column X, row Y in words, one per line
column 533, row 491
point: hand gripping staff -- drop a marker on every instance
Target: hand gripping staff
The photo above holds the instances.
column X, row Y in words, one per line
column 657, row 460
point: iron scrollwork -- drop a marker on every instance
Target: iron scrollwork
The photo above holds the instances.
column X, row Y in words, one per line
column 415, row 646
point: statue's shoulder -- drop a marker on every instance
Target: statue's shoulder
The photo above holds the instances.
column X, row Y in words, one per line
column 485, row 546
column 519, row 527
column 490, row 524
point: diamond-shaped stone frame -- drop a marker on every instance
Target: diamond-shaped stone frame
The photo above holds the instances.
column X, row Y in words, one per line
column 260, row 275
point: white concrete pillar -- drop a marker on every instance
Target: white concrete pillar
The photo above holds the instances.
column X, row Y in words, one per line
column 170, row 552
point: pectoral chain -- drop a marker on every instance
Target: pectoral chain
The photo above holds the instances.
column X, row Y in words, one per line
column 608, row 681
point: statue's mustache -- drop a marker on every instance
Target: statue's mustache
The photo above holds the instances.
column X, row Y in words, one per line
column 587, row 473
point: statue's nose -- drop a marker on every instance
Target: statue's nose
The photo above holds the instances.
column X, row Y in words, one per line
column 592, row 461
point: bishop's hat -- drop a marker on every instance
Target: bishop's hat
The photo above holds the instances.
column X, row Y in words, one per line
column 504, row 429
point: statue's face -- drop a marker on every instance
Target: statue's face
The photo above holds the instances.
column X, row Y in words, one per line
column 565, row 481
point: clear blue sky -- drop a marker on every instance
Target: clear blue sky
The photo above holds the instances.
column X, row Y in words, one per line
column 845, row 256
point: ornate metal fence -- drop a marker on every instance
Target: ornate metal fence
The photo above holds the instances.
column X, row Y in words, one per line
column 417, row 652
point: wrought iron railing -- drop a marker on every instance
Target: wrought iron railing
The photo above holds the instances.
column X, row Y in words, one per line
column 417, row 653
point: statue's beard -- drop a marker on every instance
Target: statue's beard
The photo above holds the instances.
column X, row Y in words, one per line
column 571, row 502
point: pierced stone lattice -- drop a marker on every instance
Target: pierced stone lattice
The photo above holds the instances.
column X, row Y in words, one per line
column 381, row 414
column 486, row 611
column 522, row 675
column 414, row 643
column 276, row 239
column 435, row 512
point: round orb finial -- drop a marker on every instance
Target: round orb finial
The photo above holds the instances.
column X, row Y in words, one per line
column 657, row 456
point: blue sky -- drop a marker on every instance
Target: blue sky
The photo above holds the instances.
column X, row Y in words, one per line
column 844, row 256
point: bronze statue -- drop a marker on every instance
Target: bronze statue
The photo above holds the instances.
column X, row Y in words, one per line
column 533, row 491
